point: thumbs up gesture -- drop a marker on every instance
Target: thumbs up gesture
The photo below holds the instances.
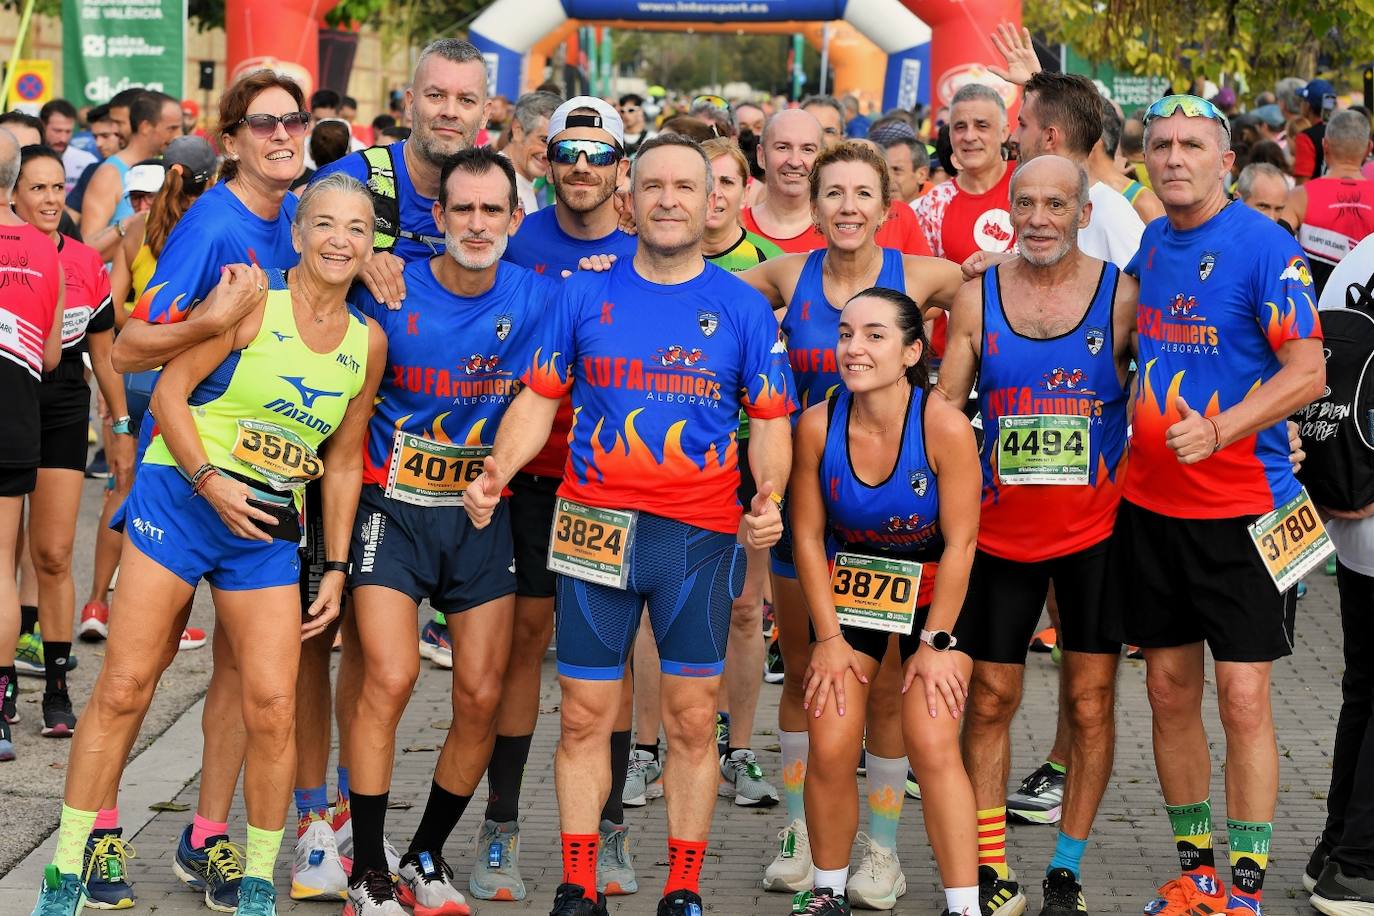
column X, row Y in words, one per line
column 1194, row 437
column 763, row 523
column 484, row 494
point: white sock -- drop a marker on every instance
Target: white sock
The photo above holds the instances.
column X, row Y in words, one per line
column 794, row 747
column 962, row 901
column 887, row 787
column 837, row 878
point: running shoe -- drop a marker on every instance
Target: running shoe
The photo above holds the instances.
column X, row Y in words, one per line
column 615, row 872
column 772, row 664
column 257, row 897
column 99, row 468
column 105, row 870
column 643, row 781
column 426, row 886
column 190, row 864
column 681, row 903
column 28, row 655
column 9, row 701
column 1045, row 640
column 568, row 901
column 1331, row 565
column 913, row 788
column 1063, row 894
column 769, row 620
column 58, row 719
column 496, row 873
column 6, row 742
column 1339, row 894
column 722, row 734
column 1135, row 652
column 1316, row 864
column 999, row 895
column 435, row 645
column 191, row 638
column 1039, row 798
column 1184, row 896
column 217, row 869
column 373, row 894
column 1302, row 590
column 742, row 777
column 60, row 895
column 820, row 901
column 790, row 870
column 316, row 872
column 878, row 881
column 95, row 621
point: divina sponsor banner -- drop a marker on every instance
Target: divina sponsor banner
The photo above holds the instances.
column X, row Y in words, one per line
column 111, row 45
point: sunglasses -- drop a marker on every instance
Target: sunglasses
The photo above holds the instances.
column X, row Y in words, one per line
column 711, row 101
column 598, row 153
column 1191, row 105
column 629, row 109
column 263, row 126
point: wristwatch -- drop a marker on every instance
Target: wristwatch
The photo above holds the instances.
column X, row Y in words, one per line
column 939, row 640
column 120, row 427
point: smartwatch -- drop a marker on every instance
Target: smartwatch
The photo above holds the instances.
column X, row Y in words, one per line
column 121, row 426
column 939, row 640
column 342, row 566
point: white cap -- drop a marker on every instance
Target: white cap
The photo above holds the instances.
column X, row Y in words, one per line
column 606, row 118
column 145, row 177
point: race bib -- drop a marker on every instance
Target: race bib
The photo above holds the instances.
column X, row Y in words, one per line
column 1044, row 448
column 278, row 454
column 428, row 473
column 875, row 593
column 74, row 321
column 591, row 544
column 1291, row 540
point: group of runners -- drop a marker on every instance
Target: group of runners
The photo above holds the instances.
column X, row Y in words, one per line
column 545, row 424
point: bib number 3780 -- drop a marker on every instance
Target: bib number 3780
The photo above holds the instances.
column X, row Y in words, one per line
column 1291, row 541
column 590, row 543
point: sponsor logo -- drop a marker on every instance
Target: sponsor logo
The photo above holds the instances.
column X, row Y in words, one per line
column 955, row 78
column 708, row 321
column 282, row 338
column 308, row 395
column 676, row 355
column 373, row 530
column 503, row 326
column 148, row 529
column 1206, row 264
column 343, row 359
column 1095, row 338
column 992, row 231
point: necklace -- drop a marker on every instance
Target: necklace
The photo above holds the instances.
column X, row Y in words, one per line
column 880, row 431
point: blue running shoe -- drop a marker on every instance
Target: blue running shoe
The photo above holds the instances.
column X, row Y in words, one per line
column 435, row 644
column 60, row 895
column 106, row 872
column 257, row 897
column 217, row 869
column 191, row 864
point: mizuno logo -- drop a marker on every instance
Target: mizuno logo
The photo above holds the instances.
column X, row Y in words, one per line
column 308, row 394
column 281, row 338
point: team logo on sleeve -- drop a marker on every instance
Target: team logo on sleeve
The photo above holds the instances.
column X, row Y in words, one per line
column 708, row 321
column 1297, row 270
column 503, row 325
column 1205, row 264
column 1095, row 339
column 919, row 482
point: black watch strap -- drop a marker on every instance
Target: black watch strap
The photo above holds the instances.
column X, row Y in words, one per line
column 342, row 566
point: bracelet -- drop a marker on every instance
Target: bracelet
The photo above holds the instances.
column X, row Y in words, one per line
column 1215, row 432
column 341, row 566
column 828, row 638
column 202, row 477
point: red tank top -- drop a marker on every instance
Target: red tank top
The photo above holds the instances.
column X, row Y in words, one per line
column 1340, row 213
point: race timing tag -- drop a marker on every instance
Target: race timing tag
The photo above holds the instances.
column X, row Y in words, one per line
column 278, row 454
column 875, row 593
column 428, row 473
column 1043, row 448
column 1291, row 540
column 591, row 544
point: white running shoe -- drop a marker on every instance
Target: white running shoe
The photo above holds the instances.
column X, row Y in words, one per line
column 790, row 871
column 643, row 781
column 878, row 881
column 427, row 887
column 373, row 895
column 316, row 872
column 742, row 779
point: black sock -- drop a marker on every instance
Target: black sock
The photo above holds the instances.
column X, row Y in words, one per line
column 648, row 749
column 504, row 775
column 614, row 811
column 8, row 682
column 28, row 618
column 369, row 823
column 55, row 664
column 442, row 813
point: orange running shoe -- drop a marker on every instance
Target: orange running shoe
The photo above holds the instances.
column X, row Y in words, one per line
column 1184, row 897
column 1044, row 641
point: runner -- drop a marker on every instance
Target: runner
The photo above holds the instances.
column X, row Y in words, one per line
column 1332, row 214
column 1102, row 166
column 883, row 426
column 586, row 163
column 154, row 120
column 1263, row 188
column 1232, row 331
column 431, row 428
column 243, row 532
column 682, row 318
column 1047, row 337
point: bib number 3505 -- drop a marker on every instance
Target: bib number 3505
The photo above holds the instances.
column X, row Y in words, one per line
column 281, row 456
column 591, row 544
column 1291, row 541
column 875, row 593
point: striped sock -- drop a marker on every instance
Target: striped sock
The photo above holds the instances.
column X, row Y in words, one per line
column 1192, row 826
column 992, row 840
column 1249, row 852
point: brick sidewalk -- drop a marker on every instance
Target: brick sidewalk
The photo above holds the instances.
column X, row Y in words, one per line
column 1129, row 854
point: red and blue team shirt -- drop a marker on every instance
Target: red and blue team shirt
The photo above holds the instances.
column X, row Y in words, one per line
column 1216, row 304
column 453, row 362
column 217, row 230
column 658, row 374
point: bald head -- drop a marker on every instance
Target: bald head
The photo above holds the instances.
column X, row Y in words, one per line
column 9, row 161
column 791, row 142
column 1057, row 171
column 794, row 122
column 1049, row 205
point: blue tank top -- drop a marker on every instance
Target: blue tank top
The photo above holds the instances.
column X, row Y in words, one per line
column 123, row 209
column 1075, row 374
column 812, row 327
column 898, row 517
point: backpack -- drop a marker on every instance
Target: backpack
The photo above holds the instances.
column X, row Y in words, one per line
column 381, row 182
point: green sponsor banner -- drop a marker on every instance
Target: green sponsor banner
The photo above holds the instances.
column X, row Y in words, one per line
column 112, row 45
column 1128, row 90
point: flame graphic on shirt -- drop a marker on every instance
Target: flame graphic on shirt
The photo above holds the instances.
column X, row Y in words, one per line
column 630, row 458
column 543, row 375
column 772, row 401
column 1283, row 326
column 174, row 313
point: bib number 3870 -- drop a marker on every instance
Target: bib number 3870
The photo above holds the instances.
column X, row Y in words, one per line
column 1291, row 540
column 875, row 593
column 591, row 544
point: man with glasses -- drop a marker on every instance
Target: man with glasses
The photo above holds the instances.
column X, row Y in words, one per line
column 632, row 116
column 1229, row 347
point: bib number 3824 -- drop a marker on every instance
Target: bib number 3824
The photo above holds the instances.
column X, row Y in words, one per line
column 428, row 473
column 1291, row 540
column 590, row 543
column 875, row 593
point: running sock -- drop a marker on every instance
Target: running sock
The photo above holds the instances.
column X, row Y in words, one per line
column 992, row 840
column 440, row 619
column 646, row 748
column 442, row 813
column 106, row 819
column 614, row 810
column 369, row 821
column 1192, row 826
column 72, row 832
column 509, row 755
column 341, row 793
column 794, row 747
column 886, row 790
column 1249, row 852
column 833, row 878
column 202, row 828
column 685, row 858
column 962, row 901
column 1068, row 853
column 28, row 618
column 579, row 861
column 261, row 852
column 55, row 656
column 314, row 801
column 9, row 681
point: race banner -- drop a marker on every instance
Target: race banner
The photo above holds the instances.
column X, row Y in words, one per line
column 112, row 45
